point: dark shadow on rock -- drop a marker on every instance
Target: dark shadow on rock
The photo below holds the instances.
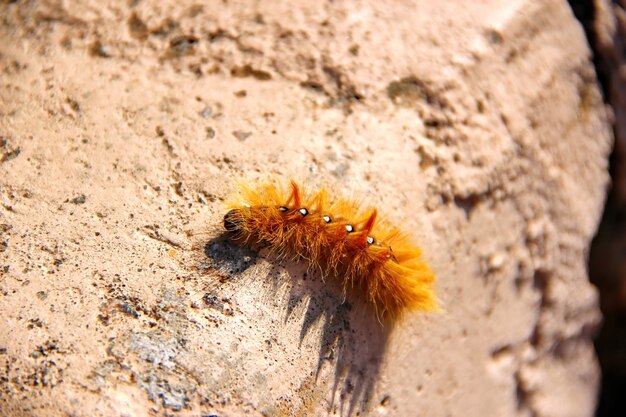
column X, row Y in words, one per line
column 227, row 257
column 352, row 339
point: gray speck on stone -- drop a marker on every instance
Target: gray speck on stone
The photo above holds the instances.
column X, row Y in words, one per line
column 206, row 112
column 79, row 199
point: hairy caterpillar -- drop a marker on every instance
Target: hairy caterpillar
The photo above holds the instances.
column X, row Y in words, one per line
column 336, row 236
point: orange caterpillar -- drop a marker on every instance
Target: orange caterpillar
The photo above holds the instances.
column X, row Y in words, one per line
column 369, row 256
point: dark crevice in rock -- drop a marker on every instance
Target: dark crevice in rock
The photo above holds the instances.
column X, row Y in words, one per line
column 607, row 261
column 585, row 12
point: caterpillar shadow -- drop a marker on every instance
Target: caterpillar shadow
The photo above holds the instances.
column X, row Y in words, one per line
column 351, row 339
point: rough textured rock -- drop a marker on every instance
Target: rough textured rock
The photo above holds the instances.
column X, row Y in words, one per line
column 610, row 33
column 123, row 126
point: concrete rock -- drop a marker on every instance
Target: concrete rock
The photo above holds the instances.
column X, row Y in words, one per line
column 479, row 127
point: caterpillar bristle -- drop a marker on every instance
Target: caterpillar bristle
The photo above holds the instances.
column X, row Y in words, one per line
column 340, row 239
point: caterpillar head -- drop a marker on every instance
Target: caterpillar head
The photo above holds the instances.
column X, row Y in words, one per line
column 232, row 221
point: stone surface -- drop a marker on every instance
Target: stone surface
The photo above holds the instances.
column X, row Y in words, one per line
column 609, row 28
column 478, row 127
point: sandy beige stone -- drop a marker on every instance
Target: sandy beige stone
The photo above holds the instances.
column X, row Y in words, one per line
column 478, row 127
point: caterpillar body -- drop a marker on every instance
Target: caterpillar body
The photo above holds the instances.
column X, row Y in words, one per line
column 368, row 256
